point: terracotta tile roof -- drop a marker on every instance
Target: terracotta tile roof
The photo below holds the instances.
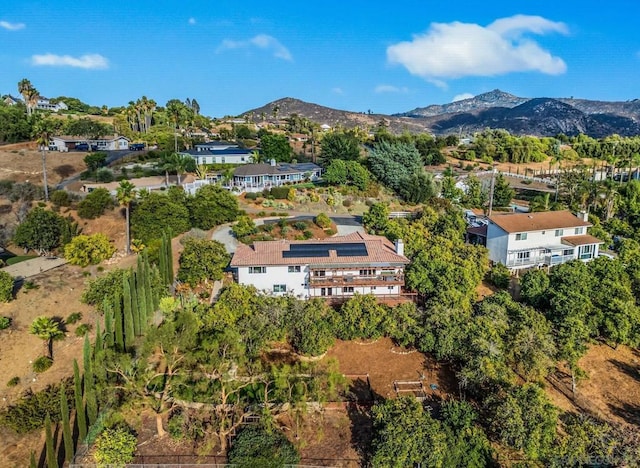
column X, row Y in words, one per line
column 581, row 240
column 379, row 250
column 527, row 222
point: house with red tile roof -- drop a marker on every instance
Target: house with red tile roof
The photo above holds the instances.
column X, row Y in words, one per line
column 523, row 240
column 333, row 268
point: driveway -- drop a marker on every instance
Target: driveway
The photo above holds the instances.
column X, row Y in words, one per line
column 33, row 267
column 224, row 235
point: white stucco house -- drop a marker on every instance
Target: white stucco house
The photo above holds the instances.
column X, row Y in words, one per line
column 46, row 104
column 524, row 240
column 110, row 143
column 223, row 154
column 333, row 268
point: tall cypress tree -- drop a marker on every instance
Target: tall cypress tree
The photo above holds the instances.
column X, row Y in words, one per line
column 81, row 419
column 89, row 383
column 129, row 333
column 67, row 435
column 52, row 460
column 99, row 371
column 148, row 290
column 134, row 304
column 162, row 260
column 169, row 261
column 108, row 323
column 142, row 300
column 118, row 323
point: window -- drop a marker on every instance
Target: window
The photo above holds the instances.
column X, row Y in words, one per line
column 319, row 273
column 521, row 236
column 559, row 232
column 279, row 288
column 579, row 230
column 257, row 269
column 567, row 252
column 348, row 289
column 524, row 255
column 367, row 272
column 373, row 288
column 294, row 269
column 390, row 288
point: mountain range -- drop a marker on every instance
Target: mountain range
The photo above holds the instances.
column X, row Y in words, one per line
column 495, row 109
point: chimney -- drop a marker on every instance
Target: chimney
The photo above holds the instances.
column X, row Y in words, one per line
column 399, row 247
column 584, row 216
column 272, row 162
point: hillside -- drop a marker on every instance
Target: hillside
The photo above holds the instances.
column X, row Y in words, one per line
column 495, row 109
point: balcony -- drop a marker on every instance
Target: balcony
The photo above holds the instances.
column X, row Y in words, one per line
column 550, row 260
column 356, row 280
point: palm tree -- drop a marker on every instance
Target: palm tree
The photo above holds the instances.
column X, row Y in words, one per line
column 29, row 94
column 47, row 329
column 125, row 194
column 44, row 130
column 180, row 162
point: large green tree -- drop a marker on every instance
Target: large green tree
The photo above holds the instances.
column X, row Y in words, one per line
column 155, row 214
column 339, row 145
column 275, row 146
column 42, row 231
column 405, row 434
column 211, row 206
column 202, row 260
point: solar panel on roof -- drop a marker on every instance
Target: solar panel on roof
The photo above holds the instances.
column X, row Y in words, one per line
column 349, row 249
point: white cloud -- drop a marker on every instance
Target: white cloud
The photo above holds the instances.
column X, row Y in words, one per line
column 390, row 89
column 456, row 50
column 461, row 97
column 261, row 41
column 337, row 90
column 192, row 20
column 88, row 61
column 12, row 26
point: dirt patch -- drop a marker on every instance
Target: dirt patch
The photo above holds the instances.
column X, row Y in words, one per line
column 385, row 363
column 25, row 165
column 610, row 391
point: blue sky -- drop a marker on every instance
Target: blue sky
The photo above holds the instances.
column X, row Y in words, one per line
column 356, row 55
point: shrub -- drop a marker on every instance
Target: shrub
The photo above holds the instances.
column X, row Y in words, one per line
column 323, row 221
column 261, row 214
column 86, row 250
column 29, row 412
column 6, row 286
column 251, row 196
column 5, row 322
column 329, row 232
column 13, row 381
column 347, row 203
column 104, row 175
column 300, row 225
column 83, row 329
column 307, row 234
column 279, row 193
column 73, row 318
column 42, row 364
column 60, row 198
column 500, row 276
column 115, row 446
column 175, row 426
column 95, row 204
column 193, row 233
column 255, row 446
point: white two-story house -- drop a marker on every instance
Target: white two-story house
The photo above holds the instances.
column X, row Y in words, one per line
column 523, row 240
column 333, row 268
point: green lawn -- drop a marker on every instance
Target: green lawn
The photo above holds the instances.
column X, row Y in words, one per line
column 19, row 258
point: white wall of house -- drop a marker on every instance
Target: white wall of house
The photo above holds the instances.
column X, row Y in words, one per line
column 536, row 247
column 296, row 280
column 497, row 243
column 222, row 159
